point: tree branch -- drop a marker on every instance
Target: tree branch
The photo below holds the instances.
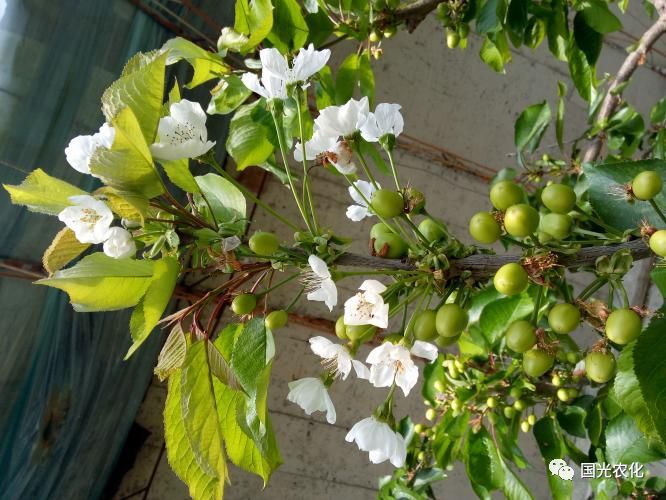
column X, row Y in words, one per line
column 415, row 12
column 633, row 60
column 484, row 266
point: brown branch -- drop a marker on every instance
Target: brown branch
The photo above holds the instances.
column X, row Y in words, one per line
column 634, row 59
column 412, row 14
column 484, row 266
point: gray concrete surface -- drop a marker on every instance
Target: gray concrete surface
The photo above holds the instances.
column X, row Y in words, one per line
column 451, row 99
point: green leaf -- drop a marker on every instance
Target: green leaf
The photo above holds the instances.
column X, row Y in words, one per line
column 513, row 487
column 366, row 78
column 491, row 16
column 225, row 199
column 320, row 26
column 40, row 192
column 598, row 16
column 347, row 78
column 549, row 438
column 531, row 125
column 101, row 283
column 658, row 112
column 587, row 39
column 432, row 372
column 227, row 95
column 249, row 141
column 128, row 165
column 140, row 88
column 203, row 482
column 178, row 172
column 150, row 308
column 290, row 31
column 572, row 419
column 606, row 193
column 534, row 33
column 516, row 20
column 582, row 74
column 172, row 355
column 499, row 314
column 207, row 65
column 325, row 88
column 559, row 120
column 63, row 249
column 557, row 30
column 491, row 55
column 254, row 18
column 482, row 461
column 625, row 444
column 125, row 204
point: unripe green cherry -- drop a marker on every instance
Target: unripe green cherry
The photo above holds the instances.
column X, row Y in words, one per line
column 572, row 392
column 658, row 242
column 564, row 318
column 559, row 198
column 374, row 36
column 521, row 220
column 276, row 319
column 509, row 412
column 387, row 203
column 556, row 380
column 519, row 405
column 446, row 341
column 505, row 194
column 430, row 414
column 536, row 362
column 647, row 185
column 451, row 320
column 431, row 230
column 600, row 366
column 390, row 246
column 484, row 228
column 557, row 226
column 452, row 38
column 510, row 279
column 424, row 325
column 418, row 428
column 379, row 228
column 516, row 393
column 264, row 243
column 244, row 303
column 525, row 426
column 572, row 357
column 531, row 419
column 421, row 456
column 360, row 333
column 623, row 326
column 491, row 402
column 563, row 394
column 341, row 328
column 521, row 336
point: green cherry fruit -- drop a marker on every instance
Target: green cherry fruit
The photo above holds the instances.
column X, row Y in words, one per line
column 484, row 228
column 379, row 228
column 341, row 328
column 244, row 303
column 521, row 336
column 563, row 395
column 491, row 402
column 360, row 333
column 509, row 412
column 446, row 341
column 564, row 318
column 519, row 405
column 536, row 362
column 531, row 419
column 387, row 203
column 516, row 393
column 505, row 194
column 623, row 326
column 521, row 220
column 525, row 426
column 510, row 279
column 559, row 198
column 600, row 366
column 263, row 243
column 424, row 326
column 374, row 36
column 451, row 320
column 390, row 246
column 452, row 38
column 431, row 230
column 276, row 319
column 658, row 243
column 557, row 226
column 647, row 185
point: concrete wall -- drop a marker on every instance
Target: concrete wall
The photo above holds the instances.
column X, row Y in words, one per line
column 450, row 99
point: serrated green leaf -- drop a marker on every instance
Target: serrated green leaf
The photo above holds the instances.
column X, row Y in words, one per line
column 178, row 172
column 582, row 74
column 254, row 18
column 549, row 438
column 128, row 165
column 141, row 89
column 227, row 95
column 250, row 135
column 125, row 204
column 587, row 39
column 491, row 55
column 172, row 355
column 432, row 372
column 290, row 31
column 626, row 444
column 220, row 368
column 499, row 314
column 101, row 283
column 572, row 419
column 490, row 17
column 206, row 65
column 531, row 125
column 559, row 120
column 346, row 79
column 606, row 190
column 557, row 30
column 599, row 17
column 482, row 461
column 150, row 308
column 40, row 192
column 513, row 487
column 225, row 200
column 63, row 249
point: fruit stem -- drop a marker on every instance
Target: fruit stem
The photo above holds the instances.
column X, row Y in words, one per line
column 389, row 153
column 537, row 305
column 660, row 213
column 307, row 193
column 416, row 230
column 366, row 169
column 623, row 291
column 295, row 299
column 591, row 288
column 277, row 285
column 513, row 241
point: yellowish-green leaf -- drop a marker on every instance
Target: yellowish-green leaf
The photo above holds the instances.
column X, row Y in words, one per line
column 254, row 18
column 179, row 173
column 125, row 204
column 220, row 368
column 172, row 355
column 152, row 305
column 128, row 165
column 141, row 88
column 101, row 283
column 42, row 193
column 63, row 249
column 206, row 65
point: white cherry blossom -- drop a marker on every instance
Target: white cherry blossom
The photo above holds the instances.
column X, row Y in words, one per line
column 183, row 134
column 311, row 395
column 320, row 284
column 268, row 86
column 89, row 218
column 367, row 307
column 337, row 153
column 119, row 244
column 337, row 359
column 360, row 210
column 379, row 440
column 80, row 149
column 343, row 121
column 386, row 120
column 391, row 363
